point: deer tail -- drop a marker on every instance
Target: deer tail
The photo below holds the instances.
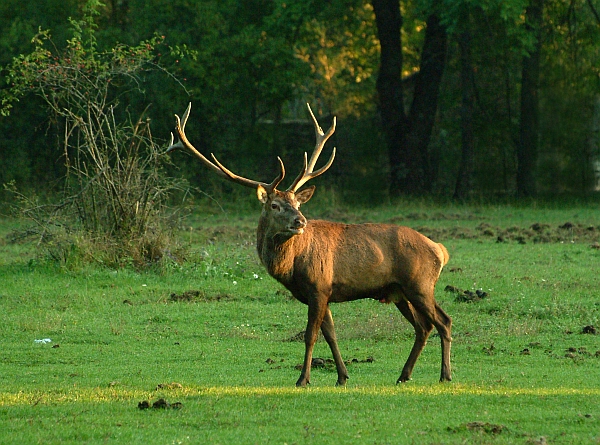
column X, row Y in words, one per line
column 445, row 254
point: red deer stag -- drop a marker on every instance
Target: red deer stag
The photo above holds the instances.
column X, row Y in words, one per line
column 322, row 262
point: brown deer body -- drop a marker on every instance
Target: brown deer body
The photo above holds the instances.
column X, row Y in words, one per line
column 322, row 262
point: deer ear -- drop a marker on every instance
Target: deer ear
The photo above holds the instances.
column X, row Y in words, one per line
column 262, row 194
column 304, row 195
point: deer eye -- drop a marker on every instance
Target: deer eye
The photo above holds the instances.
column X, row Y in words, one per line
column 274, row 206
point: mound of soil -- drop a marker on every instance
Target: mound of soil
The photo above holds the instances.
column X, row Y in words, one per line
column 159, row 404
column 299, row 337
column 224, row 232
column 480, row 427
column 190, row 295
column 466, row 296
column 536, row 233
column 329, row 363
column 589, row 330
column 196, row 295
column 485, row 427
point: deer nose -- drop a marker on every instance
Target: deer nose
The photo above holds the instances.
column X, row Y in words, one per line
column 300, row 222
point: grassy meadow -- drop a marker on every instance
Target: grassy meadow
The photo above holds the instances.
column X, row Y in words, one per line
column 217, row 339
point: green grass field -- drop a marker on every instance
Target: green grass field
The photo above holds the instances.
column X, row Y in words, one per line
column 219, row 336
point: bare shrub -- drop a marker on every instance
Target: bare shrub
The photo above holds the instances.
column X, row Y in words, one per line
column 113, row 206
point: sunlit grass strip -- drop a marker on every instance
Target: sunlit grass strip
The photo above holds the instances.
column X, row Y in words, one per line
column 72, row 396
column 401, row 390
column 105, row 395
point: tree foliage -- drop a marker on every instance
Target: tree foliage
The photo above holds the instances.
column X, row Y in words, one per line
column 249, row 67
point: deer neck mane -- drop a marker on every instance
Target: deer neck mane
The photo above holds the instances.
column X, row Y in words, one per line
column 277, row 251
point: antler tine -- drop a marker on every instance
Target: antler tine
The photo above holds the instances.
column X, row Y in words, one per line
column 321, row 138
column 273, row 185
column 217, row 167
column 302, row 172
column 307, row 172
column 181, row 132
column 243, row 181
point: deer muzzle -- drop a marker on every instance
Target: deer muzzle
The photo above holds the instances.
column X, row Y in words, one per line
column 298, row 225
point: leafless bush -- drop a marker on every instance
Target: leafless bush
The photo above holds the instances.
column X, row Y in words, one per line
column 113, row 206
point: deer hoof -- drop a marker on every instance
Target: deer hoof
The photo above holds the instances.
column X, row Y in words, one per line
column 302, row 383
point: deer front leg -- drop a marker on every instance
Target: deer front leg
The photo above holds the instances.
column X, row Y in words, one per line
column 329, row 334
column 316, row 313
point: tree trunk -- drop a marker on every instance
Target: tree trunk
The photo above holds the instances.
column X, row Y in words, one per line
column 408, row 135
column 389, row 86
column 527, row 150
column 421, row 119
column 464, row 181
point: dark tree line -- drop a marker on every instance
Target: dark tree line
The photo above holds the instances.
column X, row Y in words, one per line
column 408, row 133
column 442, row 96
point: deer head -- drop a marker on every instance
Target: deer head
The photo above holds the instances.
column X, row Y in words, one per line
column 280, row 208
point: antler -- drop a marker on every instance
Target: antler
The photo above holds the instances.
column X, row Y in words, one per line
column 219, row 169
column 307, row 172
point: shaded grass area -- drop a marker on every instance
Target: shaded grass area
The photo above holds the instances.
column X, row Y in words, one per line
column 214, row 333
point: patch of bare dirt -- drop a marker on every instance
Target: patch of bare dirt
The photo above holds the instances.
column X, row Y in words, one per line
column 465, row 295
column 536, row 233
column 224, row 232
column 317, row 362
column 329, row 363
column 589, row 329
column 159, row 404
column 191, row 296
column 486, row 427
column 299, row 337
column 480, row 427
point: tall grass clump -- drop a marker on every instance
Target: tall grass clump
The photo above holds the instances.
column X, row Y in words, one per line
column 112, row 208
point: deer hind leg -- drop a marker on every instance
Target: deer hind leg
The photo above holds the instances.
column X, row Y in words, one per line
column 422, row 330
column 446, row 321
column 428, row 308
column 316, row 314
column 329, row 334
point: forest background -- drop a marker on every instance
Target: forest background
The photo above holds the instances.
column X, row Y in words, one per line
column 443, row 97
